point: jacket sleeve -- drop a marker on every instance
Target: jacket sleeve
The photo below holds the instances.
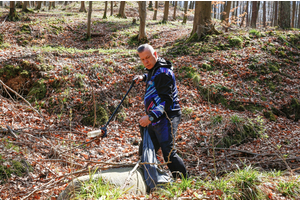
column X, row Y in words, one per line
column 163, row 84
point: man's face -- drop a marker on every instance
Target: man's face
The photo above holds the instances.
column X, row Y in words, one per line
column 148, row 58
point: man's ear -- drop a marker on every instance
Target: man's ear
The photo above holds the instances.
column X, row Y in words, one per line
column 155, row 54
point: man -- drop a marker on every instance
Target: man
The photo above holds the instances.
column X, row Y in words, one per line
column 162, row 106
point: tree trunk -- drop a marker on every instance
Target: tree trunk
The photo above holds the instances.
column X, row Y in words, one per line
column 24, row 7
column 225, row 15
column 284, row 20
column 150, row 4
column 50, row 3
column 276, row 14
column 39, row 5
column 264, row 14
column 66, row 3
column 166, row 11
column 12, row 11
column 105, row 11
column 293, row 15
column 255, row 7
column 202, row 19
column 155, row 10
column 244, row 13
column 111, row 8
column 142, row 14
column 82, row 7
column 298, row 16
column 1, row 4
column 53, row 4
column 185, row 12
column 174, row 14
column 32, row 4
column 122, row 10
column 89, row 21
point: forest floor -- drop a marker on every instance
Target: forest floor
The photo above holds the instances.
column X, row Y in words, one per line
column 239, row 97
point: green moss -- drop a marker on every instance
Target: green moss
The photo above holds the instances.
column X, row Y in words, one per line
column 206, row 66
column 291, row 110
column 101, row 117
column 25, row 29
column 235, row 41
column 19, row 168
column 1, row 38
column 255, row 32
column 273, row 69
column 269, row 115
column 239, row 131
column 192, row 38
column 38, row 91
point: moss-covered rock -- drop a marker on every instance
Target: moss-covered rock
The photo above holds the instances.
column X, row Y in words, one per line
column 1, row 38
column 38, row 91
column 269, row 115
column 239, row 131
column 236, row 42
column 25, row 29
column 101, row 117
column 18, row 168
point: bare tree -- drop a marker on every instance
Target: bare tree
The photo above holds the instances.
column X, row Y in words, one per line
column 88, row 35
column 174, row 14
column 111, row 8
column 155, row 10
column 225, row 15
column 293, row 14
column 1, row 4
column 166, row 11
column 185, row 12
column 82, row 7
column 39, row 5
column 284, row 20
column 255, row 8
column 142, row 15
column 12, row 16
column 202, row 20
column 276, row 13
column 24, row 6
column 264, row 14
column 299, row 16
column 122, row 10
column 105, row 11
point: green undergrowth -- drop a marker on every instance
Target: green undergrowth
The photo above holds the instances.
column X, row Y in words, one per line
column 17, row 167
column 238, row 130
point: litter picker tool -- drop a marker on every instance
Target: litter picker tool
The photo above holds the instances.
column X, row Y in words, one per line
column 103, row 129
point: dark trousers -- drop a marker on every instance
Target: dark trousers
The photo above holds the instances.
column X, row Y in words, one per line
column 163, row 136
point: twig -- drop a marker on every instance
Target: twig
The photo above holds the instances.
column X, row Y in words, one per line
column 5, row 86
column 95, row 116
column 38, row 189
column 4, row 20
column 123, row 155
column 11, row 132
column 130, row 175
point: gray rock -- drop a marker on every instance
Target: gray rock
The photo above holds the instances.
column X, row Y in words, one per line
column 117, row 176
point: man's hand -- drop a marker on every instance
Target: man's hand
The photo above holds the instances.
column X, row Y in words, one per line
column 144, row 121
column 138, row 79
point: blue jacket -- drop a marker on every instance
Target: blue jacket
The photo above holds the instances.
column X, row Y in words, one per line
column 161, row 91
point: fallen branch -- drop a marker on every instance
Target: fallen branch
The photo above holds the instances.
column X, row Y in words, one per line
column 11, row 132
column 5, row 86
column 38, row 189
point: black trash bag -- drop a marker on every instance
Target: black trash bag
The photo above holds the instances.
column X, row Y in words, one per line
column 153, row 175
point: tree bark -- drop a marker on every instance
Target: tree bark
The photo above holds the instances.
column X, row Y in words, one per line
column 111, row 8
column 89, row 20
column 105, row 11
column 284, row 20
column 174, row 14
column 276, row 14
column 185, row 12
column 166, row 11
column 225, row 15
column 82, row 7
column 255, row 7
column 122, row 10
column 39, row 5
column 142, row 15
column 155, row 10
column 264, row 14
column 12, row 11
column 24, row 6
column 202, row 19
column 298, row 16
column 1, row 4
column 293, row 14
column 66, row 3
column 150, row 4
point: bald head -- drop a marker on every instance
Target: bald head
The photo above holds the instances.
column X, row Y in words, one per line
column 147, row 55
